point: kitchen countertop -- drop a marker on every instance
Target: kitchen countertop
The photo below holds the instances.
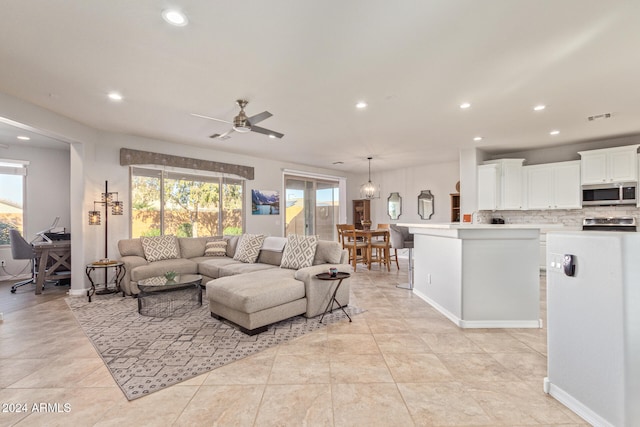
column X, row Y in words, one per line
column 468, row 226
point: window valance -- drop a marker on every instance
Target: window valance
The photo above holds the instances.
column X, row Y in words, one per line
column 129, row 157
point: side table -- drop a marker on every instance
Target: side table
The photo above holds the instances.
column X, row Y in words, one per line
column 119, row 271
column 339, row 278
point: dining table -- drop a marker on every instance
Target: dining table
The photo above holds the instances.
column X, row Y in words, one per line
column 367, row 237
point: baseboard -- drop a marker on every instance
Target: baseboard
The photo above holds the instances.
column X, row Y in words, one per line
column 477, row 324
column 576, row 406
column 77, row 292
column 488, row 324
column 455, row 319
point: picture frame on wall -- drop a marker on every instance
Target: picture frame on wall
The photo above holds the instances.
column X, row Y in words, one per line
column 265, row 202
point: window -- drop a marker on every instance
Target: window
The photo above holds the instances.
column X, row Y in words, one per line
column 12, row 176
column 312, row 206
column 184, row 204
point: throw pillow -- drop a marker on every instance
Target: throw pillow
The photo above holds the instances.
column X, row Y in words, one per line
column 299, row 251
column 232, row 244
column 216, row 248
column 160, row 247
column 249, row 248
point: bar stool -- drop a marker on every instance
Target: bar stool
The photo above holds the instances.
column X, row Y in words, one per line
column 402, row 239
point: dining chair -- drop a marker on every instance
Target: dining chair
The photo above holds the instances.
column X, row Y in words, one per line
column 340, row 227
column 356, row 247
column 381, row 250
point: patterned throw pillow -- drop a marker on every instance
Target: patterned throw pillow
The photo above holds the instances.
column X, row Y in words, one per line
column 216, row 248
column 249, row 248
column 299, row 251
column 160, row 247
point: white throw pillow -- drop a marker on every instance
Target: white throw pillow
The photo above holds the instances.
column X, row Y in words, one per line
column 249, row 248
column 216, row 248
column 160, row 247
column 299, row 251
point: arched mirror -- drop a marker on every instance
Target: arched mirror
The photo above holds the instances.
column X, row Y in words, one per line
column 394, row 205
column 425, row 204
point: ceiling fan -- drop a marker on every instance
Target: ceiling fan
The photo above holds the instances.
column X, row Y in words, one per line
column 241, row 123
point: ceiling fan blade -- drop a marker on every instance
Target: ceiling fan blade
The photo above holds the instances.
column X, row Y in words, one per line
column 266, row 131
column 223, row 136
column 259, row 117
column 211, row 118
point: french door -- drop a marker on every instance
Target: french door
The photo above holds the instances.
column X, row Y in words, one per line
column 312, row 206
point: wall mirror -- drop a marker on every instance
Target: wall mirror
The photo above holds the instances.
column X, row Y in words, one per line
column 394, row 205
column 425, row 204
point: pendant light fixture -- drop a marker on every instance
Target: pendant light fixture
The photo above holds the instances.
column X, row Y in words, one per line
column 369, row 190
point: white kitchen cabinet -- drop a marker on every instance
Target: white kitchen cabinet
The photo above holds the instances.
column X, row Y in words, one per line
column 618, row 164
column 488, row 187
column 553, row 185
column 500, row 185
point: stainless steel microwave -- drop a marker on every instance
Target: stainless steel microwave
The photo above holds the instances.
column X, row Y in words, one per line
column 619, row 193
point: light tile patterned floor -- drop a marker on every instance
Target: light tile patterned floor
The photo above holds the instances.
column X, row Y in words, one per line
column 400, row 363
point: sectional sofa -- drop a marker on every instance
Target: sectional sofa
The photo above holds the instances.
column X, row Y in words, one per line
column 251, row 280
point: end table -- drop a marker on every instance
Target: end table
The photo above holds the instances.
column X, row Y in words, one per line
column 338, row 277
column 118, row 266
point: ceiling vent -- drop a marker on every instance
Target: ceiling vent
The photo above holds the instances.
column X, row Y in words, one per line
column 599, row 117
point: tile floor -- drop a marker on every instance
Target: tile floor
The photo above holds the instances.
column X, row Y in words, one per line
column 400, row 363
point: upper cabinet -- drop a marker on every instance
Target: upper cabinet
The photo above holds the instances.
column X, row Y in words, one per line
column 500, row 185
column 607, row 165
column 553, row 185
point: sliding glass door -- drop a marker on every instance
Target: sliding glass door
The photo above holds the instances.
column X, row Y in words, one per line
column 312, row 206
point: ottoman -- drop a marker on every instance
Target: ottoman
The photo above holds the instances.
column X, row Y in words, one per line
column 254, row 300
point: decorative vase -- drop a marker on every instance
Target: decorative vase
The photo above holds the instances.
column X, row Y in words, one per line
column 366, row 224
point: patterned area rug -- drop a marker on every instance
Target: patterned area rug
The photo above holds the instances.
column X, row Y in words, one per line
column 145, row 354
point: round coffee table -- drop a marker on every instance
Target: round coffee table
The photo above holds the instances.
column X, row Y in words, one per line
column 339, row 277
column 160, row 297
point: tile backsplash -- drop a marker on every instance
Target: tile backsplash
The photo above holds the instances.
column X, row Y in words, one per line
column 567, row 217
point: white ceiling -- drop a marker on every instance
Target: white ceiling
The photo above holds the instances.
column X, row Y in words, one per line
column 308, row 62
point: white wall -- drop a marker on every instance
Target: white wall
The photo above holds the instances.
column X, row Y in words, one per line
column 47, row 196
column 440, row 178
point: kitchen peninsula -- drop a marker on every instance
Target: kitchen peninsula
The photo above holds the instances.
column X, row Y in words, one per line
column 479, row 275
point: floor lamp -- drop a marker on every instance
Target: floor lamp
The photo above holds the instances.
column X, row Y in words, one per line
column 108, row 200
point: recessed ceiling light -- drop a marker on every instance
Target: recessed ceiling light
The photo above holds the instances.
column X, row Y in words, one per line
column 361, row 105
column 115, row 96
column 477, row 138
column 554, row 132
column 272, row 136
column 465, row 105
column 539, row 107
column 175, row 17
column 23, row 138
column 338, row 163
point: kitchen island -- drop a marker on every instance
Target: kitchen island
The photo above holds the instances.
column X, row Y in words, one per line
column 480, row 275
column 593, row 325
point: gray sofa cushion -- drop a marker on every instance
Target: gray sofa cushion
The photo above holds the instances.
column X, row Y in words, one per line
column 256, row 291
column 270, row 257
column 130, row 247
column 328, row 252
column 191, row 247
column 232, row 244
column 242, row 268
column 158, row 268
column 210, row 266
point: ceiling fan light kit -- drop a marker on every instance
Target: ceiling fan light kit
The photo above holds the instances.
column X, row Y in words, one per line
column 243, row 124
